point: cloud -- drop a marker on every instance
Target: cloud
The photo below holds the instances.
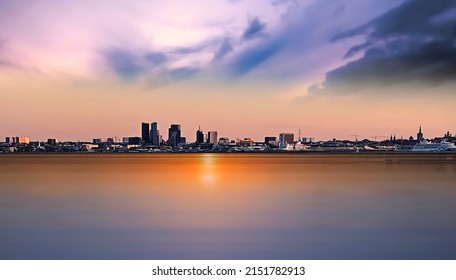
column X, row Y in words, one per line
column 123, row 62
column 301, row 45
column 4, row 62
column 252, row 58
column 339, row 10
column 150, row 66
column 412, row 44
column 225, row 48
column 281, row 2
column 254, row 29
column 156, row 58
column 182, row 73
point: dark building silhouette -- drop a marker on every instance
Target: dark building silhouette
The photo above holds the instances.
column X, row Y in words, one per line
column 269, row 139
column 174, row 135
column 154, row 134
column 145, row 133
column 134, row 140
column 199, row 136
column 7, row 140
column 419, row 135
column 52, row 141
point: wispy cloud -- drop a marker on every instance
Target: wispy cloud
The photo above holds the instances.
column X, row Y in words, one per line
column 254, row 29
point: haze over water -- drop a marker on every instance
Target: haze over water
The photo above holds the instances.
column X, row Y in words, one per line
column 228, row 206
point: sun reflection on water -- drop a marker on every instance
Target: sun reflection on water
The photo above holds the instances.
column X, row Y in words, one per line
column 208, row 173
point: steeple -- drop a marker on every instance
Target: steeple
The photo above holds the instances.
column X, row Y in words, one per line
column 419, row 135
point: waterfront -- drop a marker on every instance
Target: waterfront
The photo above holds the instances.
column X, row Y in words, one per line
column 228, row 206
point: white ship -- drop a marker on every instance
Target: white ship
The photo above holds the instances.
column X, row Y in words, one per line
column 425, row 146
column 298, row 146
column 286, row 146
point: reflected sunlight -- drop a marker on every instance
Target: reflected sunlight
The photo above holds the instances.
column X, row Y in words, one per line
column 208, row 173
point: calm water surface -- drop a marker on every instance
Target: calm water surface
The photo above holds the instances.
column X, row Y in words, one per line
column 224, row 206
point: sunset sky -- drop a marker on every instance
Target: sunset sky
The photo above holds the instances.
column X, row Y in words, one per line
column 77, row 70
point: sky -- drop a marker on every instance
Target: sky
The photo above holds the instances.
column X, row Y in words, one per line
column 77, row 70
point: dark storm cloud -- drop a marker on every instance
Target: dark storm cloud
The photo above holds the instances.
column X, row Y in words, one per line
column 412, row 43
column 254, row 29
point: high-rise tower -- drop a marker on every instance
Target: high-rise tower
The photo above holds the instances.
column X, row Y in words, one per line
column 154, row 134
column 145, row 133
column 174, row 134
column 212, row 137
column 199, row 136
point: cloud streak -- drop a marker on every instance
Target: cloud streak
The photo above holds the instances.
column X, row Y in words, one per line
column 254, row 29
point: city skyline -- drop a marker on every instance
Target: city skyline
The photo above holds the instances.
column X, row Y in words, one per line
column 150, row 134
column 245, row 68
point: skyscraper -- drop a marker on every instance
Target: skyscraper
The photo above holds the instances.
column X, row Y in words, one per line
column 154, row 134
column 286, row 138
column 174, row 134
column 199, row 136
column 212, row 137
column 145, row 133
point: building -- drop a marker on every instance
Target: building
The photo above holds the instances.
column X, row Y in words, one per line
column 7, row 140
column 270, row 139
column 224, row 141
column 174, row 135
column 134, row 140
column 199, row 136
column 308, row 140
column 96, row 141
column 154, row 134
column 419, row 135
column 145, row 133
column 286, row 138
column 52, row 141
column 110, row 141
column 23, row 140
column 212, row 137
column 245, row 142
